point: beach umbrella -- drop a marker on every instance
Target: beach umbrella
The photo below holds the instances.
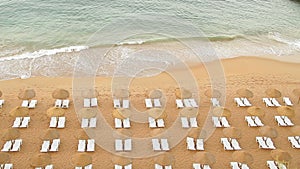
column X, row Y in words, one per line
column 90, row 93
column 0, row 93
column 189, row 112
column 221, row 112
column 56, row 112
column 88, row 113
column 51, row 134
column 204, row 158
column 273, row 93
column 286, row 111
column 122, row 133
column 19, row 112
column 121, row 160
column 155, row 94
column 232, row 132
column 121, row 113
column 165, row 159
column 4, row 158
column 11, row 134
column 60, row 94
column 281, row 155
column 157, row 113
column 197, row 133
column 183, row 93
column 82, row 159
column 268, row 131
column 81, row 135
column 40, row 160
column 244, row 93
column 296, row 130
column 297, row 92
column 212, row 93
column 242, row 157
column 121, row 93
column 156, row 131
column 255, row 111
column 26, row 94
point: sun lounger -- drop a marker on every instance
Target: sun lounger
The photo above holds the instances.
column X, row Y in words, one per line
column 270, row 143
column 17, row 122
column 224, row 122
column 53, row 122
column 160, row 123
column 239, row 102
column 287, row 121
column 287, row 101
column 81, row 146
column 272, row 165
column 281, row 165
column 193, row 122
column 84, row 123
column 25, row 122
column 32, row 104
column 58, row 103
column 193, row 103
column 61, row 122
column 17, row 145
column 185, row 122
column 268, row 102
column 157, row 166
column 168, row 167
column 235, row 144
column 126, row 123
column 55, row 145
column 215, row 102
column 156, row 145
column 152, row 122
column 200, row 144
column 187, row 103
column 280, row 121
column 129, row 166
column 156, row 103
column 86, row 103
column 7, row 146
column 49, row 166
column 1, row 103
column 244, row 166
column 25, row 103
column 294, row 142
column 118, row 123
column 90, row 166
column 261, row 143
column 206, row 166
column 8, row 166
column 90, row 145
column 275, row 102
column 216, row 122
column 148, row 103
column 196, row 166
column 226, row 144
column 93, row 122
column 45, row 146
column 190, row 143
column 179, row 103
column 127, row 145
column 119, row 145
column 164, row 144
column 94, row 102
column 258, row 121
column 234, row 165
column 117, row 103
column 246, row 102
column 65, row 104
column 118, row 166
column 250, row 121
column 126, row 104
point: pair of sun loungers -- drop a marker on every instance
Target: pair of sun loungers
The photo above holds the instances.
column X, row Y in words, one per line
column 90, row 102
column 157, row 166
column 123, row 145
column 6, row 166
column 189, row 122
column 86, row 145
column 12, row 145
column 62, row 103
column 242, row 102
column 160, row 144
column 57, row 122
column 220, row 122
column 122, row 123
column 276, row 165
column 156, row 123
column 88, row 123
column 215, row 102
column 21, row 122
column 271, row 102
column 129, row 166
column 150, row 104
column 186, row 103
column 50, row 146
column 230, row 144
column 90, row 166
column 29, row 104
column 46, row 167
column 124, row 104
column 200, row 166
column 265, row 143
column 253, row 121
column 194, row 144
column 237, row 165
column 295, row 141
column 283, row 121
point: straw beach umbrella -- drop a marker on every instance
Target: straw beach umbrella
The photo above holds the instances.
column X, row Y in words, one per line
column 40, row 160
column 121, row 160
column 60, row 94
column 0, row 93
column 197, row 133
column 274, row 93
column 212, row 93
column 286, row 111
column 26, row 94
column 88, row 113
column 297, row 93
column 232, row 132
column 156, row 131
column 255, row 111
column 189, row 112
column 183, row 93
column 155, row 94
column 244, row 93
column 51, row 134
column 4, row 158
column 242, row 157
column 268, row 131
column 56, row 112
column 121, row 113
column 165, row 159
column 281, row 155
column 82, row 159
column 11, row 134
column 204, row 158
column 89, row 93
column 121, row 93
column 19, row 112
column 296, row 130
column 157, row 113
column 81, row 135
column 221, row 112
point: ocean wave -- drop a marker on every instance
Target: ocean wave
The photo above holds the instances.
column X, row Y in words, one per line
column 294, row 43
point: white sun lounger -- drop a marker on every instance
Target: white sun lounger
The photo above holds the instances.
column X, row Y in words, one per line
column 61, row 122
column 126, row 104
column 126, row 123
column 187, row 103
column 32, row 104
column 216, row 122
column 157, row 166
column 81, row 146
column 94, row 102
column 261, row 143
column 246, row 102
column 119, row 145
column 1, row 103
column 8, row 166
column 93, row 122
column 268, row 102
column 168, row 167
column 287, row 121
column 215, row 102
column 287, row 101
column 224, row 122
column 275, row 102
column 185, row 122
column 152, row 122
column 117, row 103
column 294, row 142
column 25, row 122
column 156, row 145
column 90, row 145
column 206, row 166
column 226, row 144
column 200, row 144
column 17, row 145
column 193, row 122
column 7, row 146
column 196, row 166
column 250, row 121
column 234, row 165
column 86, row 102
column 165, row 144
column 272, row 165
column 17, row 122
column 258, row 121
column 280, row 121
column 53, row 122
column 25, row 103
column 58, row 103
column 190, row 143
column 127, row 145
column 65, row 104
column 129, row 166
column 84, row 123
column 49, row 166
column 179, row 103
column 148, row 103
column 193, row 103
column 118, row 123
column 244, row 166
column 156, row 103
column 90, row 166
column 160, row 123
column 239, row 102
column 78, row 167
column 55, row 145
column 270, row 143
column 118, row 166
column 45, row 146
column 235, row 144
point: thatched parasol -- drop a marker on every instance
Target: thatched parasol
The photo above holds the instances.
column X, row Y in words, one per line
column 0, row 93
column 89, row 93
column 204, row 158
column 189, row 112
column 183, row 93
column 125, row 133
column 274, row 93
column 82, row 159
column 40, row 160
column 197, row 133
column 56, row 112
column 60, row 94
column 296, row 92
column 51, row 134
column 242, row 157
column 221, row 112
column 165, row 159
column 232, row 132
column 296, row 130
column 121, row 113
column 155, row 94
column 26, row 94
column 88, row 113
column 286, row 111
column 121, row 160
column 121, row 93
column 156, row 131
column 268, row 131
column 280, row 155
column 255, row 111
column 19, row 112
column 4, row 158
column 157, row 113
column 212, row 93
column 81, row 135
column 244, row 93
column 11, row 134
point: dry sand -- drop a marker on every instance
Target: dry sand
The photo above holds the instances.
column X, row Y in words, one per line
column 255, row 74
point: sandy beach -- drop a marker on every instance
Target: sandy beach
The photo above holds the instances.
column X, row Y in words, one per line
column 255, row 74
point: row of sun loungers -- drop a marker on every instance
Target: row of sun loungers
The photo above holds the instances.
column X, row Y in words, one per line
column 51, row 146
column 220, row 122
column 160, row 145
column 57, row 122
column 149, row 104
column 253, row 121
column 200, row 166
column 194, row 144
column 123, row 145
column 230, row 144
column 186, row 103
column 283, row 121
column 119, row 123
column 265, row 143
column 46, row 167
column 237, row 165
column 275, row 165
column 90, row 166
column 86, row 145
column 62, row 103
column 189, row 122
column 29, row 104
column 242, row 102
column 156, row 123
column 118, row 104
column 90, row 102
column 89, row 123
column 129, row 166
column 21, row 122
column 12, row 145
column 6, row 166
column 295, row 141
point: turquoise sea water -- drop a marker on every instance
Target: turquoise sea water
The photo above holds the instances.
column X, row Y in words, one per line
column 31, row 28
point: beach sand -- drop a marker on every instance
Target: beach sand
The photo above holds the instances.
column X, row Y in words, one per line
column 255, row 74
